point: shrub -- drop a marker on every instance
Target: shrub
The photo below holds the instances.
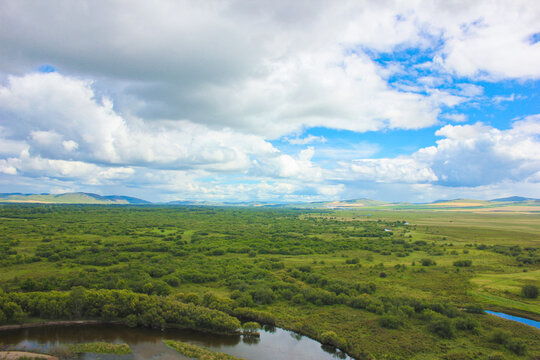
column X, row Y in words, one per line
column 390, row 322
column 330, row 338
column 474, row 309
column 131, row 320
column 499, row 336
column 463, row 263
column 443, row 328
column 298, row 299
column 305, row 268
column 263, row 295
column 467, row 323
column 530, row 291
column 496, row 356
column 428, row 315
column 516, row 346
column 428, row 262
column 251, row 328
column 459, row 356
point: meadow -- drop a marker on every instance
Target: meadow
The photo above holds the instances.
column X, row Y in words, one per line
column 374, row 282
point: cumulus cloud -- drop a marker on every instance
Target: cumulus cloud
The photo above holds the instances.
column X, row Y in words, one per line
column 184, row 95
column 58, row 123
column 249, row 67
column 401, row 169
column 466, row 156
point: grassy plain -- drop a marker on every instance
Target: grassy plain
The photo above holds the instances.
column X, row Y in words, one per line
column 350, row 278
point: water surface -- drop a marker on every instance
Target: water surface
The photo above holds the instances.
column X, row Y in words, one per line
column 274, row 343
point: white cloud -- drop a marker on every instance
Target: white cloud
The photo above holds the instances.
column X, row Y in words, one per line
column 174, row 93
column 401, row 170
column 53, row 107
column 500, row 98
column 241, row 65
column 306, row 140
column 455, row 117
column 467, row 156
column 70, row 145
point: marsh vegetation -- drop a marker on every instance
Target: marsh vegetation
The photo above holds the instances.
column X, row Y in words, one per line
column 417, row 291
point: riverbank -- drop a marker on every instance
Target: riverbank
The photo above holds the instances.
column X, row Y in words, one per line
column 15, row 355
column 40, row 323
column 57, row 323
column 515, row 312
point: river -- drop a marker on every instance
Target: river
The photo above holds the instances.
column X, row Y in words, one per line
column 529, row 322
column 274, row 343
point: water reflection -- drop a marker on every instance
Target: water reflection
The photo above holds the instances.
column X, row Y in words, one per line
column 274, row 343
column 251, row 340
column 334, row 351
column 269, row 328
column 296, row 336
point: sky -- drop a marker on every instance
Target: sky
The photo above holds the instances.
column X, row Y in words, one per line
column 276, row 101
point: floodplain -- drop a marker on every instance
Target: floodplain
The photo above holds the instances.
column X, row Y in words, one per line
column 374, row 282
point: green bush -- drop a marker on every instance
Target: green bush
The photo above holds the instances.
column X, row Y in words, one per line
column 496, row 356
column 390, row 322
column 330, row 338
column 443, row 328
column 251, row 328
column 428, row 262
column 499, row 337
column 466, row 323
column 474, row 309
column 131, row 320
column 463, row 263
column 516, row 346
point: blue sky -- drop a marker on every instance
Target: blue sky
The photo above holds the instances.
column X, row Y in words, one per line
column 264, row 101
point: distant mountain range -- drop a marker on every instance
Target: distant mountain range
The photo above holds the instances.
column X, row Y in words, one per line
column 514, row 199
column 70, row 198
column 89, row 198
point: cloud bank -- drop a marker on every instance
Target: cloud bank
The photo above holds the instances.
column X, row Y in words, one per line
column 218, row 99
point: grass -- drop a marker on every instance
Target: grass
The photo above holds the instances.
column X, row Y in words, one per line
column 101, row 348
column 197, row 352
column 505, row 303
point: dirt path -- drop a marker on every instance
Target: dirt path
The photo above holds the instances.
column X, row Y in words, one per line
column 14, row 355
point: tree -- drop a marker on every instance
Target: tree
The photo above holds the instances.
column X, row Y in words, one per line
column 529, row 291
column 78, row 299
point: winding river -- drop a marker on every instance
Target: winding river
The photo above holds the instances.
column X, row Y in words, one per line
column 274, row 343
column 525, row 321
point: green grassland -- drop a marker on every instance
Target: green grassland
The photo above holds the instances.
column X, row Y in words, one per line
column 101, row 348
column 376, row 282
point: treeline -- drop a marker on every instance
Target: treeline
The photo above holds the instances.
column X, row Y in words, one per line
column 132, row 308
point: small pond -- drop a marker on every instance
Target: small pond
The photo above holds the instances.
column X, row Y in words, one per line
column 274, row 343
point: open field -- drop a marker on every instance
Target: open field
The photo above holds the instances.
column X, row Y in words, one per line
column 377, row 283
